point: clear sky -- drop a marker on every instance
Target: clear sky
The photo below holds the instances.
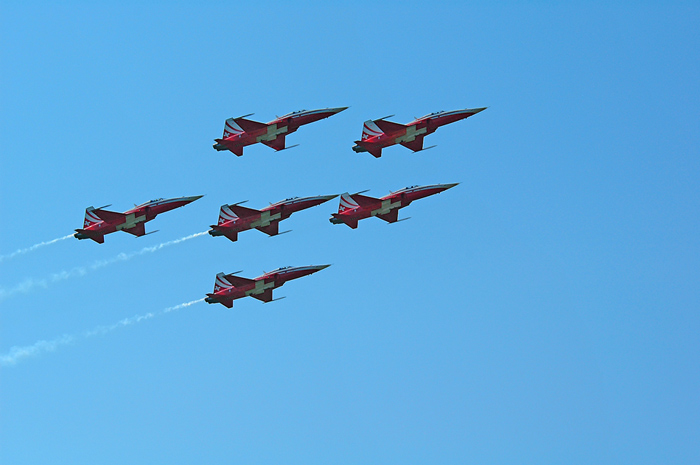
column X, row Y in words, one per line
column 543, row 311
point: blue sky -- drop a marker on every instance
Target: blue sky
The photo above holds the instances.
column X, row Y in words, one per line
column 543, row 311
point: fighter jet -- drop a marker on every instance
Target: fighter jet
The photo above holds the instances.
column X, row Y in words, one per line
column 234, row 218
column 356, row 207
column 229, row 287
column 239, row 132
column 99, row 221
column 379, row 133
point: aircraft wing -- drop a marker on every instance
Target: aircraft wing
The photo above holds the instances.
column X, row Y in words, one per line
column 237, row 281
column 265, row 296
column 276, row 143
column 365, row 201
column 243, row 211
column 249, row 125
column 271, row 230
column 391, row 217
column 138, row 230
column 415, row 145
column 110, row 217
column 388, row 126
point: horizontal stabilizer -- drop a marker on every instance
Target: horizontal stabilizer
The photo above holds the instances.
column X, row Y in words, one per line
column 236, row 150
column 375, row 151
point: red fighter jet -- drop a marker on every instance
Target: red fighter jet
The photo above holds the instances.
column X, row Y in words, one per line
column 379, row 133
column 234, row 218
column 357, row 207
column 99, row 221
column 229, row 287
column 239, row 132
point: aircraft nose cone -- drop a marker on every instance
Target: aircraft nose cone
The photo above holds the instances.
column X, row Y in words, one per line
column 338, row 110
column 193, row 198
column 321, row 267
column 450, row 186
column 326, row 198
column 477, row 110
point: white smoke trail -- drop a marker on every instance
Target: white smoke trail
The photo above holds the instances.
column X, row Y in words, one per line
column 33, row 248
column 16, row 354
column 30, row 283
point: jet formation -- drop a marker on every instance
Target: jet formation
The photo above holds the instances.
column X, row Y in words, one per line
column 356, row 207
column 380, row 133
column 99, row 221
column 234, row 218
column 240, row 132
column 229, row 287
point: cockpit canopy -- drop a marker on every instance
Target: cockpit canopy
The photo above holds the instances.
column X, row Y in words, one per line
column 150, row 202
column 292, row 114
column 432, row 114
column 279, row 269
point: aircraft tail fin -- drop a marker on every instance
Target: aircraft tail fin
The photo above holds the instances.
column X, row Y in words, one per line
column 347, row 203
column 221, row 282
column 231, row 128
column 370, row 129
column 90, row 217
column 226, row 214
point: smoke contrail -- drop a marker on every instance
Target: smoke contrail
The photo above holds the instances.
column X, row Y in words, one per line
column 30, row 283
column 16, row 354
column 33, row 248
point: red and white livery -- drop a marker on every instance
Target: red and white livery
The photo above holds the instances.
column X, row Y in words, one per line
column 229, row 287
column 379, row 133
column 99, row 221
column 356, row 207
column 239, row 132
column 234, row 218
